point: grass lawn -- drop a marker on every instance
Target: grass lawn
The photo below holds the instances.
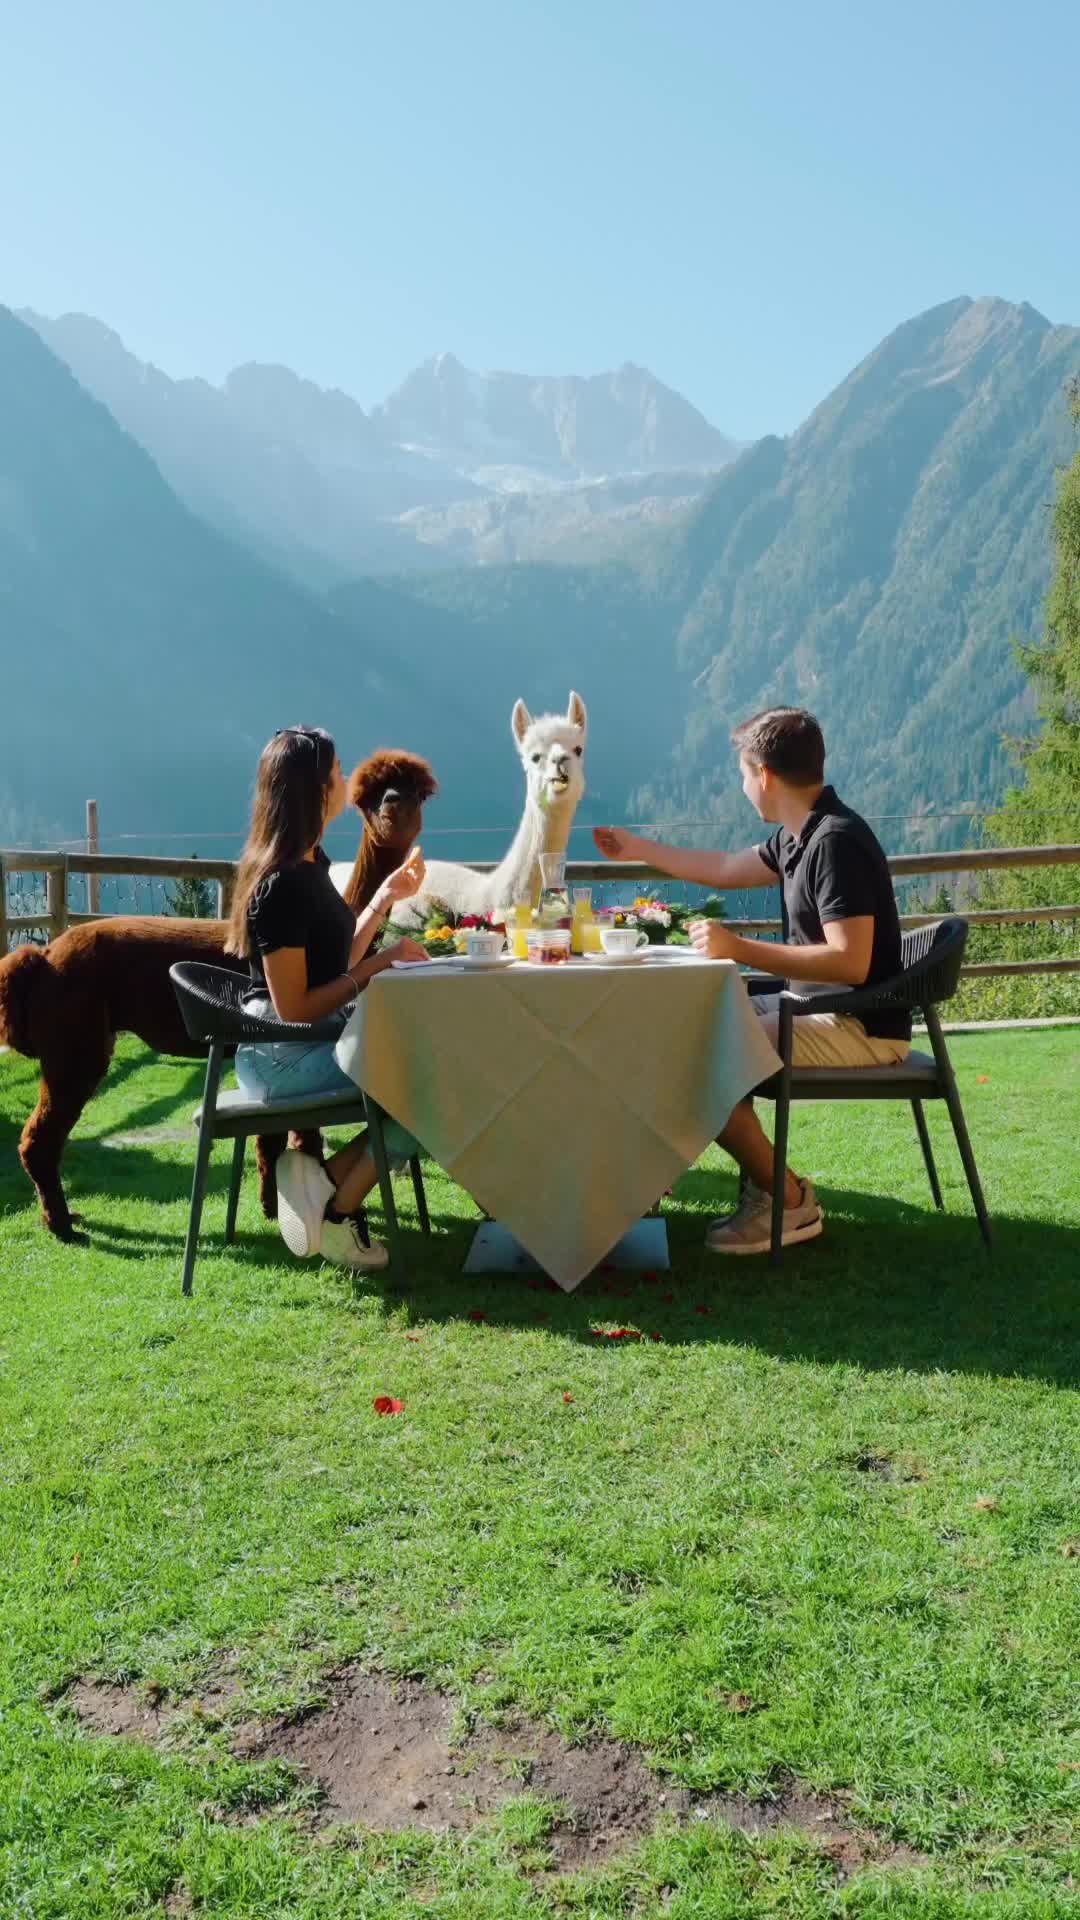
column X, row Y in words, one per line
column 844, row 1494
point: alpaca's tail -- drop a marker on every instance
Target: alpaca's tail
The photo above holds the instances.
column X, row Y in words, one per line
column 27, row 982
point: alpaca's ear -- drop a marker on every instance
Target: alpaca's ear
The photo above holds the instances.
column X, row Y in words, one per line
column 575, row 711
column 520, row 721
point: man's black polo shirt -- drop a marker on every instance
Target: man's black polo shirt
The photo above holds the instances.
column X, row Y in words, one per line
column 834, row 869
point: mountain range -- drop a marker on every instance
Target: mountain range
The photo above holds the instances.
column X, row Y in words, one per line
column 873, row 566
column 454, row 467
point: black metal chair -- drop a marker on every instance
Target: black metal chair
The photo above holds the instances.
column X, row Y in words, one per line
column 210, row 1005
column 931, row 958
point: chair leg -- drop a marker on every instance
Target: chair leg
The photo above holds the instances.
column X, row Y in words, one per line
column 386, row 1185
column 927, row 1151
column 202, row 1162
column 235, row 1179
column 780, row 1137
column 959, row 1125
column 421, row 1196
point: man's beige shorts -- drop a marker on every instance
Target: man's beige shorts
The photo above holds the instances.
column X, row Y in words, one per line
column 830, row 1039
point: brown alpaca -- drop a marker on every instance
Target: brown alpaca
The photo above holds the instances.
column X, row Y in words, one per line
column 64, row 1004
column 388, row 790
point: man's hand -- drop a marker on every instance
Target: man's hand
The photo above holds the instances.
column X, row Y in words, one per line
column 614, row 843
column 711, row 939
column 402, row 884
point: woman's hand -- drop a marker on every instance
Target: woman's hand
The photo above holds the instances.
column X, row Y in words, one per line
column 406, row 949
column 402, row 884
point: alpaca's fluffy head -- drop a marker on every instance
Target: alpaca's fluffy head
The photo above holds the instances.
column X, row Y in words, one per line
column 552, row 749
column 390, row 788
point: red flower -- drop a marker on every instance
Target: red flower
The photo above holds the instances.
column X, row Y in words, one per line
column 382, row 1403
column 702, row 1309
column 981, row 1079
column 656, row 1336
column 476, row 1314
column 412, row 1336
column 622, row 1333
column 568, row 1398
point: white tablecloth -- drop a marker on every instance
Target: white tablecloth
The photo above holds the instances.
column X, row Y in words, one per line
column 564, row 1099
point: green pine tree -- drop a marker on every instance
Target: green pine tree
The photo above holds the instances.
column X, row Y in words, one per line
column 1045, row 806
column 191, row 898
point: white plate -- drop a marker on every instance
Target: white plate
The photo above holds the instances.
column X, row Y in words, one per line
column 481, row 960
column 620, row 959
column 425, row 966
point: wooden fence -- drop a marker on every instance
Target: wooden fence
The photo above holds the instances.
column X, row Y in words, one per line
column 58, row 867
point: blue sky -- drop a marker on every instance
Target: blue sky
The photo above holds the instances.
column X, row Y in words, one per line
column 743, row 198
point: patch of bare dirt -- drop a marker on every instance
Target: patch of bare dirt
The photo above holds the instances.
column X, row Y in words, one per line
column 381, row 1754
column 104, row 1707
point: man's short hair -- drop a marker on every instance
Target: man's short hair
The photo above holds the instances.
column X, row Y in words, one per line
column 788, row 741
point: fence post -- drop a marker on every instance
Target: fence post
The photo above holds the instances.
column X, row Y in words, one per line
column 93, row 880
column 56, row 898
column 225, row 891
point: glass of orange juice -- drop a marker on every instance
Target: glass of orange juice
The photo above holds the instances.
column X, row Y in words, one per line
column 523, row 919
column 581, row 919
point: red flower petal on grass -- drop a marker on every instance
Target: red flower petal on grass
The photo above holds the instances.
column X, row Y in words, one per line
column 476, row 1314
column 981, row 1079
column 623, row 1333
column 382, row 1403
column 702, row 1309
column 412, row 1336
column 656, row 1336
column 568, row 1398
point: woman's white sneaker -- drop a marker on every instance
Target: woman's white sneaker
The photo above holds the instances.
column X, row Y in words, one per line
column 341, row 1243
column 303, row 1189
column 749, row 1228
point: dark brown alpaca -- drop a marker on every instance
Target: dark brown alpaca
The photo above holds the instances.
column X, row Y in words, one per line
column 388, row 790
column 64, row 1004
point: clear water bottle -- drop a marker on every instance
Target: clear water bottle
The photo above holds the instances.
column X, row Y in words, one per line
column 554, row 909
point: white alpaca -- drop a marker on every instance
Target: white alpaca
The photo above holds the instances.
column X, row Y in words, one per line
column 552, row 750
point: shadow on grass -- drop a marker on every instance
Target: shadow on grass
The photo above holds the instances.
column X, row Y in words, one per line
column 889, row 1285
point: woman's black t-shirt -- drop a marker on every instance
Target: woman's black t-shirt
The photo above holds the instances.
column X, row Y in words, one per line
column 299, row 906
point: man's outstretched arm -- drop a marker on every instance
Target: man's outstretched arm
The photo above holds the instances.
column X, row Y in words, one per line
column 699, row 869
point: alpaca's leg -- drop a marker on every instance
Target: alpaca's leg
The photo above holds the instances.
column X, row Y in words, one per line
column 68, row 1079
column 269, row 1148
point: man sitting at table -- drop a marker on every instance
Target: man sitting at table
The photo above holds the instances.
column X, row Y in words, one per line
column 841, row 929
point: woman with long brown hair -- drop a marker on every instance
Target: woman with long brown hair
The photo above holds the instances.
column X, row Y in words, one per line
column 308, row 955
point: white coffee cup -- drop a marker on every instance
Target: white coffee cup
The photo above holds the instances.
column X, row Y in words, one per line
column 620, row 940
column 482, row 946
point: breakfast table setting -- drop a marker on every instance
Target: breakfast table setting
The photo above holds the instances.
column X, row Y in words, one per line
column 565, row 1091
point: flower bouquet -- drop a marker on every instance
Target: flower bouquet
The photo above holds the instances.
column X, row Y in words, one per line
column 443, row 932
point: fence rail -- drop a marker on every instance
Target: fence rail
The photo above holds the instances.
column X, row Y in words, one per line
column 59, row 867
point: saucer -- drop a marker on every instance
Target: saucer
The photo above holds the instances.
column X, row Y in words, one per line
column 483, row 960
column 620, row 959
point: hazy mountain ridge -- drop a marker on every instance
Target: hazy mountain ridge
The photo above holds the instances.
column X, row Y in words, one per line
column 872, row 566
column 304, row 475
